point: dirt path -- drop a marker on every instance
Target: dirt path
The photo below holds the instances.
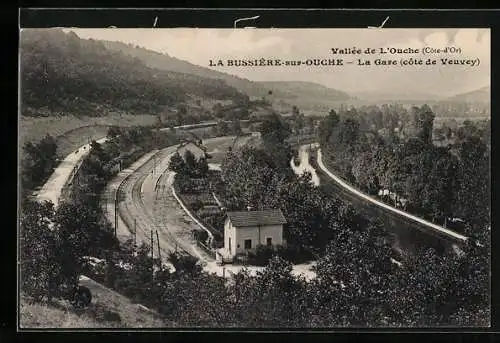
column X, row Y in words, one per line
column 304, row 165
column 52, row 189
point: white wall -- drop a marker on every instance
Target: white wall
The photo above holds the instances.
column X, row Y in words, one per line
column 274, row 232
column 229, row 232
column 239, row 235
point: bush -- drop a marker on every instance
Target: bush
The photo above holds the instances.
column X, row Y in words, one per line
column 196, row 205
column 200, row 235
column 39, row 266
column 262, row 255
column 294, row 254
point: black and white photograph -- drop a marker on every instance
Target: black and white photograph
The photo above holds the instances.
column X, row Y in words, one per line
column 247, row 178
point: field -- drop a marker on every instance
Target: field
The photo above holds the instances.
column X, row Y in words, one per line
column 107, row 310
column 73, row 132
column 218, row 150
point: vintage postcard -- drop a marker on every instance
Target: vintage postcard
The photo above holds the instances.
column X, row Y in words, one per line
column 254, row 178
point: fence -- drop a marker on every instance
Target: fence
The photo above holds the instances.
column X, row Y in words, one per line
column 193, row 216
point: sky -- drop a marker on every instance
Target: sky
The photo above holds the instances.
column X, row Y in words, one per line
column 198, row 46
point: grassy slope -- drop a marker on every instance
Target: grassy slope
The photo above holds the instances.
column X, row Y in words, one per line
column 108, row 310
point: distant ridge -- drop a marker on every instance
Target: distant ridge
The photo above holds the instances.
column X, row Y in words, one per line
column 281, row 90
column 302, row 88
column 482, row 94
column 166, row 62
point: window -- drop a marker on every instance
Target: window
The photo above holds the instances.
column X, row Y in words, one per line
column 248, row 244
column 269, row 241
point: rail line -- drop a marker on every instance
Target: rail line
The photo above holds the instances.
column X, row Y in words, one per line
column 145, row 220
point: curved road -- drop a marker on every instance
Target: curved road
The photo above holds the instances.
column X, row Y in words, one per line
column 434, row 227
column 304, row 165
column 62, row 174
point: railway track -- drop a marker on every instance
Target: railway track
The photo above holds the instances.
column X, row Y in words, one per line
column 140, row 216
column 146, row 203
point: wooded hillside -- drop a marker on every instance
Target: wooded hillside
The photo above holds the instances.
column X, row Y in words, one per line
column 61, row 73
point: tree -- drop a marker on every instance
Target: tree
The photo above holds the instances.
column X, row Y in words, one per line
column 37, row 247
column 236, row 127
column 327, row 127
column 38, row 161
column 192, row 305
column 82, row 231
column 113, row 132
column 349, row 132
column 190, row 161
column 223, row 128
column 184, row 263
column 280, row 295
column 352, row 278
column 274, row 130
column 249, row 177
column 474, row 181
column 138, row 282
column 177, row 164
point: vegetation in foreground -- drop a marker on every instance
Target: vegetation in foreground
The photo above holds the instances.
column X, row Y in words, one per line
column 356, row 282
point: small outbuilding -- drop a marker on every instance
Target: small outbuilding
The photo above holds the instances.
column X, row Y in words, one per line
column 245, row 230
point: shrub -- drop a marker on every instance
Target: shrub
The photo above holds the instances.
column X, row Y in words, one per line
column 294, row 254
column 261, row 255
column 196, row 205
column 200, row 235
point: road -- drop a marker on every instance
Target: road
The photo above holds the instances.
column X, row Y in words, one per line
column 304, row 165
column 52, row 189
column 441, row 231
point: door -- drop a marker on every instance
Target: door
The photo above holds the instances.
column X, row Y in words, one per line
column 248, row 244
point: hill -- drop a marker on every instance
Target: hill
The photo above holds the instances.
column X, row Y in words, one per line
column 479, row 95
column 166, row 62
column 62, row 73
column 281, row 91
column 375, row 96
column 107, row 310
column 296, row 89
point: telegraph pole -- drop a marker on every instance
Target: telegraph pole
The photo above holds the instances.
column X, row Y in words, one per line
column 152, row 257
column 152, row 245
column 135, row 232
column 116, row 211
column 159, row 252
